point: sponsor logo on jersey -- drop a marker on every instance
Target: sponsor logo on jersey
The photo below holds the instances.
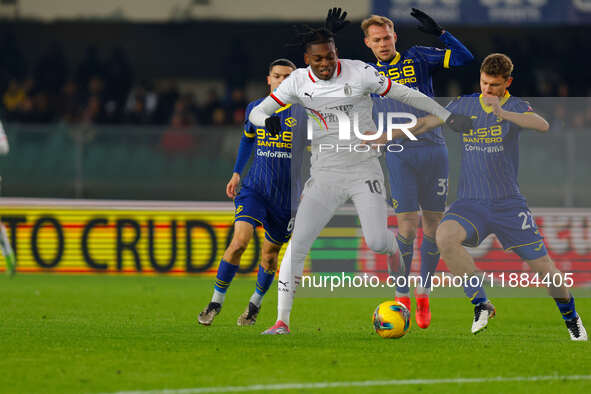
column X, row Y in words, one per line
column 290, row 122
column 348, row 90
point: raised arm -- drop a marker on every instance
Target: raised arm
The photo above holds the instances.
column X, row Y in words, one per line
column 458, row 55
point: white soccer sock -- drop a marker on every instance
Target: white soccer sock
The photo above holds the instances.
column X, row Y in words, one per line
column 218, row 297
column 256, row 299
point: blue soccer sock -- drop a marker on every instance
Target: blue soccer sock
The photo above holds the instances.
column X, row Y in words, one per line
column 264, row 281
column 226, row 272
column 474, row 290
column 567, row 309
column 429, row 260
column 406, row 251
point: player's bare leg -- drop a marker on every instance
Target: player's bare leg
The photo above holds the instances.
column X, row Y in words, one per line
column 545, row 267
column 408, row 222
column 450, row 235
column 429, row 261
column 270, row 254
column 243, row 233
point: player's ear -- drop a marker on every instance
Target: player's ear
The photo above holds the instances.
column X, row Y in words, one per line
column 366, row 41
column 269, row 80
column 509, row 82
column 306, row 59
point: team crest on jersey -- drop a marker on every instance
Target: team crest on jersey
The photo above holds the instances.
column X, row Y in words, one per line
column 348, row 90
column 394, row 203
column 239, row 209
column 290, row 122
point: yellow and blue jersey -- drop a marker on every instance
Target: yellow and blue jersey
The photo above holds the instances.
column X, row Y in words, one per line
column 490, row 151
column 270, row 173
column 414, row 68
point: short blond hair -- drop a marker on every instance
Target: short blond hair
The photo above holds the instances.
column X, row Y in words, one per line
column 497, row 64
column 376, row 20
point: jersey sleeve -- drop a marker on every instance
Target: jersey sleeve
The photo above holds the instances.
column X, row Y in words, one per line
column 523, row 107
column 375, row 82
column 286, row 92
column 455, row 106
column 249, row 128
column 433, row 57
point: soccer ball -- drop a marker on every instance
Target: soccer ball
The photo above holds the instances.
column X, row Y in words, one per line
column 391, row 319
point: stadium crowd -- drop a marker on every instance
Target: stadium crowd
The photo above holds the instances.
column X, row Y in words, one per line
column 104, row 90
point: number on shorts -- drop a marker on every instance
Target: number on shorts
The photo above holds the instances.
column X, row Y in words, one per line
column 290, row 225
column 443, row 185
column 374, row 186
column 525, row 215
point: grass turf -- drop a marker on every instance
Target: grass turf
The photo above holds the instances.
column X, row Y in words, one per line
column 61, row 334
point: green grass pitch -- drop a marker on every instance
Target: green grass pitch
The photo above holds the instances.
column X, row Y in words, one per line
column 89, row 334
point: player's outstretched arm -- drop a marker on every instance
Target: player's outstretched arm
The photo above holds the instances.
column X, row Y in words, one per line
column 423, row 125
column 264, row 110
column 418, row 100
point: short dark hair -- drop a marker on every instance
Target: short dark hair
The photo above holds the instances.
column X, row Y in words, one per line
column 281, row 62
column 497, row 64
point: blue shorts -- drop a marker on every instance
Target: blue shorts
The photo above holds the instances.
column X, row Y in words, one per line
column 418, row 178
column 509, row 219
column 254, row 209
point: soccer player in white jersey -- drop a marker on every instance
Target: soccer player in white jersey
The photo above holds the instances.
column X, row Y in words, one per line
column 328, row 89
column 4, row 242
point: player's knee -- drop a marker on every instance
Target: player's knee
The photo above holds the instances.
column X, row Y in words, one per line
column 238, row 245
column 447, row 238
column 377, row 244
column 269, row 262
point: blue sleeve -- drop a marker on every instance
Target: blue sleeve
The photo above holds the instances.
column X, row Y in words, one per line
column 522, row 107
column 246, row 142
column 455, row 53
column 454, row 105
column 459, row 55
column 244, row 151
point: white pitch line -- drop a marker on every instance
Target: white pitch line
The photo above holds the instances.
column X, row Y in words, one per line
column 365, row 383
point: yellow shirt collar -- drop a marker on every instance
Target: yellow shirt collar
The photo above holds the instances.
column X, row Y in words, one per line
column 393, row 62
column 487, row 108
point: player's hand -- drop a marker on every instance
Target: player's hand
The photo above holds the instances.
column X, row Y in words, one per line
column 232, row 186
column 428, row 24
column 273, row 125
column 459, row 123
column 494, row 102
column 335, row 21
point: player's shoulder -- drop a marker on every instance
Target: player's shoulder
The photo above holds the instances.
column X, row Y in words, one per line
column 466, row 97
column 254, row 103
column 298, row 73
column 417, row 52
column 355, row 64
column 519, row 104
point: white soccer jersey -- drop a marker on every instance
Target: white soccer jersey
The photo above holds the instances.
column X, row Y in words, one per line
column 334, row 143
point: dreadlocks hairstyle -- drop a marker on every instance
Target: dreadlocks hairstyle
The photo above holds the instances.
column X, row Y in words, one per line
column 306, row 36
